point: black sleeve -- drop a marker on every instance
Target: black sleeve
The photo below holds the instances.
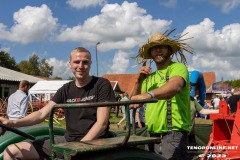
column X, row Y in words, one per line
column 59, row 96
column 106, row 92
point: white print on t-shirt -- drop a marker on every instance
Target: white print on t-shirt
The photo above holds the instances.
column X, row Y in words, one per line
column 87, row 98
column 76, row 100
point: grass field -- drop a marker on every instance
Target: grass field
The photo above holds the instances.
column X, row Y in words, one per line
column 113, row 121
column 203, row 121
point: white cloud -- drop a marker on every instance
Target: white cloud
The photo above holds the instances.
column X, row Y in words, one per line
column 225, row 68
column 215, row 50
column 168, row 3
column 4, row 49
column 61, row 68
column 120, row 63
column 117, row 27
column 31, row 24
column 226, row 5
column 85, row 3
column 125, row 27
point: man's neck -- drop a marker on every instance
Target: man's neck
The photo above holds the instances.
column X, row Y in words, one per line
column 22, row 89
column 163, row 65
column 83, row 82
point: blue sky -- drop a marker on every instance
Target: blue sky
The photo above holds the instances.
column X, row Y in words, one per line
column 51, row 29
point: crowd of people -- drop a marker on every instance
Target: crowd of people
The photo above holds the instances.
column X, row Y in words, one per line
column 231, row 99
column 171, row 118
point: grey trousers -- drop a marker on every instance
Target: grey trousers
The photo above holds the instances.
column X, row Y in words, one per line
column 173, row 145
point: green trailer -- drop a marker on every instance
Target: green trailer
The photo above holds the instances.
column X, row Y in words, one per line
column 26, row 134
column 128, row 146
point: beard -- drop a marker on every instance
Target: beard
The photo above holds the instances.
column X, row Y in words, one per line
column 160, row 60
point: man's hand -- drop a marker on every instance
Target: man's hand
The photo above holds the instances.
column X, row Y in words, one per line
column 139, row 97
column 143, row 72
column 4, row 121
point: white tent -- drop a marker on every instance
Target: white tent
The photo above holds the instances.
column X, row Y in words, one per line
column 45, row 89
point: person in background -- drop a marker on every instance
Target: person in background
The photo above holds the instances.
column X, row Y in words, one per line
column 124, row 98
column 216, row 102
column 169, row 118
column 222, row 99
column 233, row 99
column 82, row 124
column 196, row 107
column 116, row 108
column 140, row 122
column 139, row 117
column 227, row 98
column 206, row 106
column 18, row 102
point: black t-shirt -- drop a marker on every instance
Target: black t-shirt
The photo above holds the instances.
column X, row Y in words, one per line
column 232, row 101
column 80, row 120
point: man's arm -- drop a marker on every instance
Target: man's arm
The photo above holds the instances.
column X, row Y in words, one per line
column 143, row 72
column 209, row 111
column 167, row 91
column 170, row 89
column 31, row 119
column 136, row 89
column 100, row 125
column 204, row 111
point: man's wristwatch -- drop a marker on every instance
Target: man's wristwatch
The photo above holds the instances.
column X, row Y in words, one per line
column 151, row 94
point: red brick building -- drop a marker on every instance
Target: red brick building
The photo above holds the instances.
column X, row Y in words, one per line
column 126, row 81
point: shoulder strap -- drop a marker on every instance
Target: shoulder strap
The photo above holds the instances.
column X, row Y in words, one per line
column 169, row 109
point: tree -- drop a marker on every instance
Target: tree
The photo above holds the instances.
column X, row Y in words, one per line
column 30, row 67
column 45, row 69
column 24, row 66
column 7, row 61
column 35, row 67
column 57, row 78
column 234, row 83
column 71, row 78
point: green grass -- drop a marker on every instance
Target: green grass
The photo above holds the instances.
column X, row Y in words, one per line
column 203, row 121
column 113, row 121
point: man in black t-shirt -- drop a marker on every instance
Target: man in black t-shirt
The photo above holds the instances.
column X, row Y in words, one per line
column 82, row 124
column 233, row 99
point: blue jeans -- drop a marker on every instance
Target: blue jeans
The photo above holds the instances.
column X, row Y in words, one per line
column 173, row 146
column 143, row 124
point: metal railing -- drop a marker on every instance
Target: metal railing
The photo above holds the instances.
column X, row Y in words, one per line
column 99, row 104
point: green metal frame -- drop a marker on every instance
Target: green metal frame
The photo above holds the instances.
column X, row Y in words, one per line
column 99, row 104
column 37, row 131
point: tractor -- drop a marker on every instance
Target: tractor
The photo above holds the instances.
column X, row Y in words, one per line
column 115, row 148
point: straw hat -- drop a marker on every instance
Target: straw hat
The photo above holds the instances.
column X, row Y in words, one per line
column 156, row 39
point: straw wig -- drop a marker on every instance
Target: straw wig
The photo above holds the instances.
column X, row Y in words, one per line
column 177, row 45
